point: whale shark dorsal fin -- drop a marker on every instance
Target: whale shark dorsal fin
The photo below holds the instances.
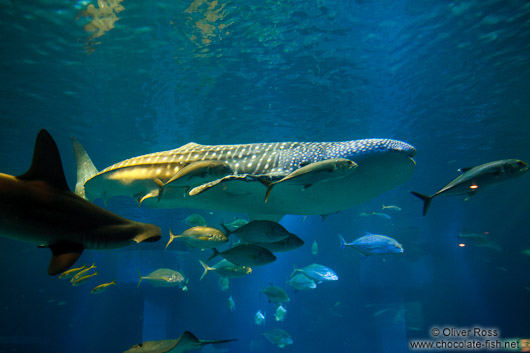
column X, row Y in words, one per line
column 188, row 146
column 46, row 164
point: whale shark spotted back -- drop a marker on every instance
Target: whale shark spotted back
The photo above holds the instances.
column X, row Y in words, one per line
column 382, row 165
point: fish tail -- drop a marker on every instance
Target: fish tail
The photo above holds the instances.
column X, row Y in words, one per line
column 226, row 230
column 171, row 238
column 206, row 269
column 342, row 242
column 140, row 281
column 295, row 269
column 85, row 168
column 426, row 201
column 215, row 253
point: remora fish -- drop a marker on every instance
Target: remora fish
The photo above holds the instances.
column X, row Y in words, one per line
column 185, row 343
column 38, row 207
column 382, row 165
column 476, row 178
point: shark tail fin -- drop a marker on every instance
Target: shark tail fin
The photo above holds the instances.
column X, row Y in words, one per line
column 426, row 201
column 85, row 168
column 206, row 269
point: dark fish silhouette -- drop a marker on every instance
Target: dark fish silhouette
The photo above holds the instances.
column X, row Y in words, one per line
column 38, row 207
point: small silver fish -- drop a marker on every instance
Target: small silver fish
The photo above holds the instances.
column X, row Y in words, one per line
column 314, row 248
column 301, row 282
column 276, row 294
column 260, row 232
column 259, row 318
column 476, row 178
column 280, row 313
column 317, row 272
column 278, row 337
column 231, row 304
column 246, row 255
column 373, row 244
column 200, row 237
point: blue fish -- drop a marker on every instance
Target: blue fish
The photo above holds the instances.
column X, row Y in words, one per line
column 373, row 244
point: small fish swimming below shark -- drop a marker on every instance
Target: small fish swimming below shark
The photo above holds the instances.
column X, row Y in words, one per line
column 477, row 178
column 39, row 208
column 317, row 178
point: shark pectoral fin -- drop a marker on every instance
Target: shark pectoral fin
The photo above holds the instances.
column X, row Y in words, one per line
column 64, row 255
column 150, row 234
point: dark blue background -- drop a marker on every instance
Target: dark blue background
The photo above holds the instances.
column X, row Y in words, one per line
column 450, row 78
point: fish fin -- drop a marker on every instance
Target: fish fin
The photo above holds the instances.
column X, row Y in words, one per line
column 268, row 192
column 426, row 201
column 324, row 216
column 46, row 164
column 171, row 238
column 215, row 253
column 140, row 281
column 206, row 269
column 216, row 341
column 148, row 236
column 63, row 256
column 226, row 230
column 85, row 167
column 466, row 169
column 342, row 242
column 153, row 193
column 471, row 194
column 187, row 336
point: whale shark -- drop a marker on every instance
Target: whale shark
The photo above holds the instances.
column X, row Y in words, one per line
column 237, row 178
column 39, row 208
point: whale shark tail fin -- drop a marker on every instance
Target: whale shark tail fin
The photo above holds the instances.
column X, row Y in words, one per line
column 426, row 201
column 85, row 168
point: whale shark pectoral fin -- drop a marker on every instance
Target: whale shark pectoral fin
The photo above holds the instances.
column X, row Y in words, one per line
column 64, row 255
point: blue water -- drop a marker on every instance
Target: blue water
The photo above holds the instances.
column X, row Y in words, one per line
column 450, row 78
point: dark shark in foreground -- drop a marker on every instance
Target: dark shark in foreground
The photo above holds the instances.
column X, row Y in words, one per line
column 477, row 178
column 185, row 343
column 235, row 177
column 38, row 207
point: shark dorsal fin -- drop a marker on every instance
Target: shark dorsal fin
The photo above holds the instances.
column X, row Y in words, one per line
column 187, row 336
column 46, row 164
